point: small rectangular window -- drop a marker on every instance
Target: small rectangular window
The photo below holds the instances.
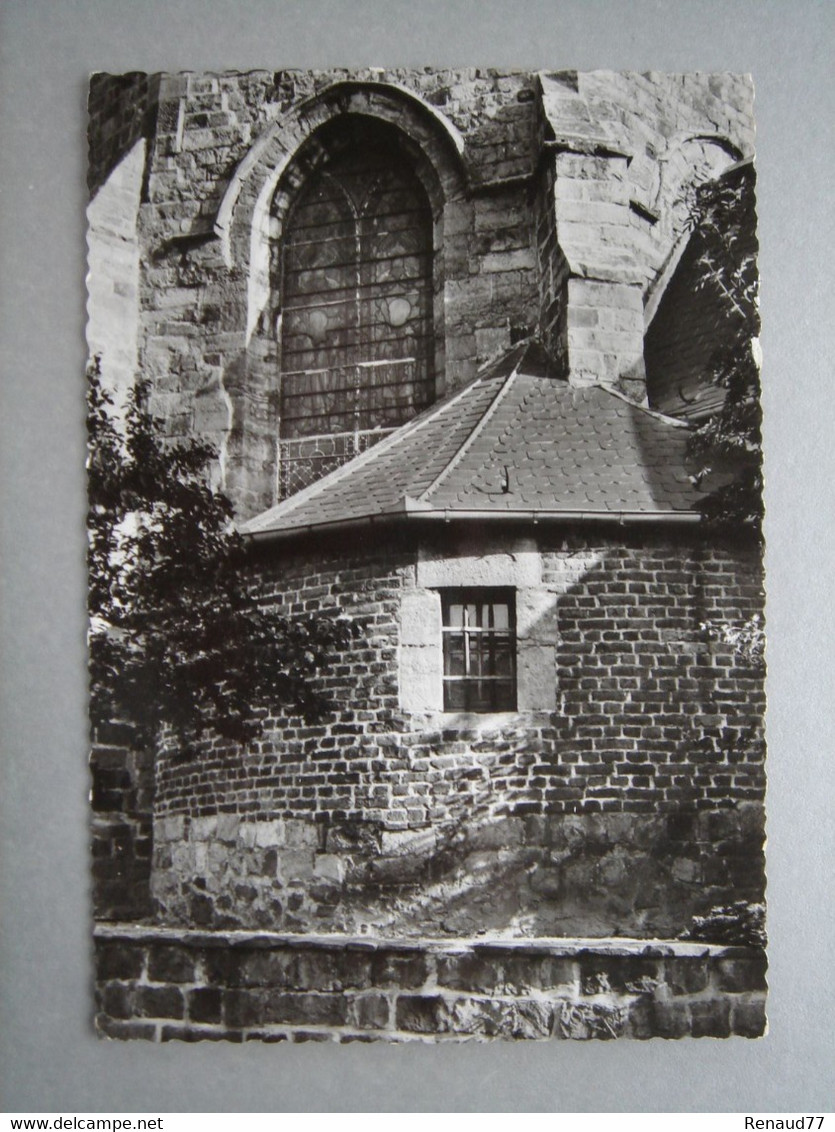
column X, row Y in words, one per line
column 479, row 630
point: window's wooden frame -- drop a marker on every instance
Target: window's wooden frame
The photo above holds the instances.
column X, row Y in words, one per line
column 480, row 691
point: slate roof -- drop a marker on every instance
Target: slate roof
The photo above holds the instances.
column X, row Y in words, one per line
column 513, row 443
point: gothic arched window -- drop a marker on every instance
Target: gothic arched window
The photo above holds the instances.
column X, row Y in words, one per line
column 356, row 296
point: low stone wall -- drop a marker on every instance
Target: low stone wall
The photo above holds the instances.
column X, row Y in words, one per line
column 163, row 985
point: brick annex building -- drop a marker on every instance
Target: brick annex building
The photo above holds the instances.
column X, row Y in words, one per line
column 441, row 328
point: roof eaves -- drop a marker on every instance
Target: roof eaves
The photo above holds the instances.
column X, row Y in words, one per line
column 411, row 510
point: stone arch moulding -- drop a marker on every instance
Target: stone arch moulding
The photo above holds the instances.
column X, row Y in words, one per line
column 242, row 220
column 691, row 158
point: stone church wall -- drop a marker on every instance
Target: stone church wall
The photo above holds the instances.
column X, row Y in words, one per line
column 561, row 199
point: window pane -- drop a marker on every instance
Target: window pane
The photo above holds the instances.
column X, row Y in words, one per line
column 455, row 616
column 477, row 657
column 482, row 696
column 455, row 696
column 500, row 616
column 502, row 659
column 454, row 655
column 479, row 695
column 353, row 276
column 504, row 695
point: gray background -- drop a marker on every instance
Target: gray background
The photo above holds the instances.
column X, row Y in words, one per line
column 50, row 1059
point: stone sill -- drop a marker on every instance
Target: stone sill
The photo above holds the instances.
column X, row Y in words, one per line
column 478, row 722
column 558, row 946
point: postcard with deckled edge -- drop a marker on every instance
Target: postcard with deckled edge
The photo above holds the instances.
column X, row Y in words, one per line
column 426, row 592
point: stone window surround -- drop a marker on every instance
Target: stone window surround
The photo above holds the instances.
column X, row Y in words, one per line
column 514, row 566
column 243, row 221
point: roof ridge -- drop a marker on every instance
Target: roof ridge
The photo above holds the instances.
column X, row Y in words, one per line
column 654, row 413
column 503, row 437
column 470, row 439
column 350, row 466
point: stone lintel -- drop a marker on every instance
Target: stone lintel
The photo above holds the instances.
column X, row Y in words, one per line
column 515, row 565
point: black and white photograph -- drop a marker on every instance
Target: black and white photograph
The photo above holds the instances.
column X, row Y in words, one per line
column 416, row 525
column 426, row 595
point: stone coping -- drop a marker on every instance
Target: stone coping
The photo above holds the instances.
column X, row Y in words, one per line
column 552, row 945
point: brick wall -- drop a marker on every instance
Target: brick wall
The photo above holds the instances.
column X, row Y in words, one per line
column 299, row 770
column 158, row 985
column 654, row 713
column 634, row 806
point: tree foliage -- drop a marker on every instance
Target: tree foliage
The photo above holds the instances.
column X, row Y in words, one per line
column 740, row 923
column 727, row 448
column 176, row 641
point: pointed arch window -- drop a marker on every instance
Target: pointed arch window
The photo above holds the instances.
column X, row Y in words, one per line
column 356, row 300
